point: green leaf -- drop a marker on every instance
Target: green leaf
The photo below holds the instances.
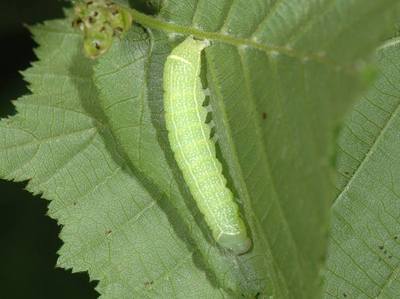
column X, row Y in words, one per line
column 364, row 249
column 113, row 225
column 91, row 139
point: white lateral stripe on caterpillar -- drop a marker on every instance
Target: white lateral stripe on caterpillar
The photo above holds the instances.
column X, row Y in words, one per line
column 179, row 58
column 194, row 151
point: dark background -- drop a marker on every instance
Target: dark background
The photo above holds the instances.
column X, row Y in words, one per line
column 29, row 239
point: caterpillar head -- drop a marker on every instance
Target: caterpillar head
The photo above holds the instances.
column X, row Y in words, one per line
column 100, row 21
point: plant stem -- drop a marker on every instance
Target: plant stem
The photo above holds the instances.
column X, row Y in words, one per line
column 153, row 22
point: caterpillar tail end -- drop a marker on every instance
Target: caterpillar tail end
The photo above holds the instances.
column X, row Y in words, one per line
column 238, row 243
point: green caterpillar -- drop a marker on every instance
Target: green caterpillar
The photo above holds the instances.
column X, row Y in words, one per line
column 100, row 21
column 194, row 151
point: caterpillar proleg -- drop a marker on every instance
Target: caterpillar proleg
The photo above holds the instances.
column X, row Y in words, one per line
column 194, row 151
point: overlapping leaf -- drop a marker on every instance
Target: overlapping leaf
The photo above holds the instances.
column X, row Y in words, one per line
column 364, row 256
column 279, row 77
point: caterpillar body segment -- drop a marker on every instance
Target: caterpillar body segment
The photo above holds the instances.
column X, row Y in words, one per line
column 194, row 150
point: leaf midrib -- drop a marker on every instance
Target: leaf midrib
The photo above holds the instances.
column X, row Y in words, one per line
column 368, row 155
column 245, row 188
column 265, row 158
column 151, row 22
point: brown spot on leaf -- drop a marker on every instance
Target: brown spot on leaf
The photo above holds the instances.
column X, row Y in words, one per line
column 148, row 284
